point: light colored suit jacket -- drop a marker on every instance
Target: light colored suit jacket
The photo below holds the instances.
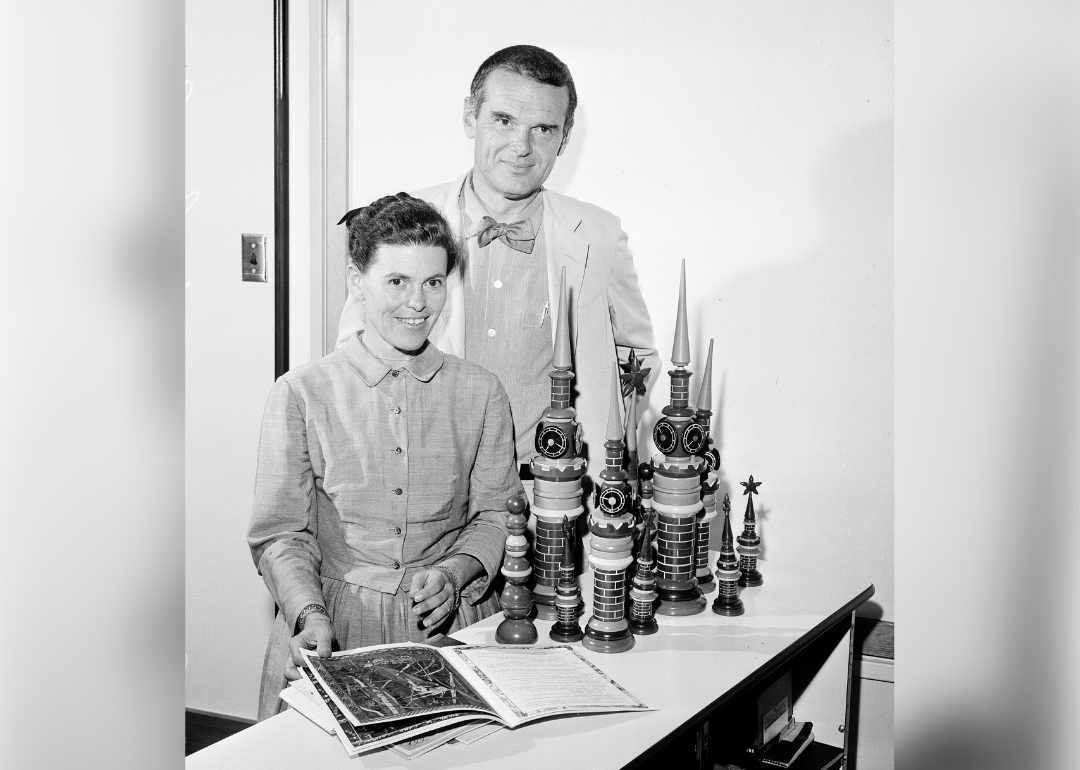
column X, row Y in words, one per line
column 608, row 317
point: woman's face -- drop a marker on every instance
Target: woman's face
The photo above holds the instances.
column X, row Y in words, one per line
column 402, row 292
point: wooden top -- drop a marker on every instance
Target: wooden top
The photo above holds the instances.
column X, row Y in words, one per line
column 692, row 666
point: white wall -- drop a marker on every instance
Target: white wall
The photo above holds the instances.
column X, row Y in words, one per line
column 753, row 140
column 230, row 331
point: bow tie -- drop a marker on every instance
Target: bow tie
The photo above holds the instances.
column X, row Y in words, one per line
column 519, row 236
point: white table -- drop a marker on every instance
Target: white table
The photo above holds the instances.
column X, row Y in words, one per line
column 693, row 666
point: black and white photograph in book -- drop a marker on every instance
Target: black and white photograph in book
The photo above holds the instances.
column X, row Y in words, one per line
column 567, row 327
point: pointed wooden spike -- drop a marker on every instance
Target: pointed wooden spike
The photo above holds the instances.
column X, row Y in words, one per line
column 630, row 424
column 680, row 350
column 615, row 427
column 561, row 356
column 704, row 394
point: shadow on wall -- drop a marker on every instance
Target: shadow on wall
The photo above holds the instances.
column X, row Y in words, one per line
column 812, row 342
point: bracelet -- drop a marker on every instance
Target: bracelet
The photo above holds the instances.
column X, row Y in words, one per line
column 453, row 582
column 311, row 608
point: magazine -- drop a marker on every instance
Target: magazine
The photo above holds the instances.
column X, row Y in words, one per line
column 414, row 688
column 357, row 740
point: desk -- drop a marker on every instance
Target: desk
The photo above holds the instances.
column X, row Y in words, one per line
column 693, row 667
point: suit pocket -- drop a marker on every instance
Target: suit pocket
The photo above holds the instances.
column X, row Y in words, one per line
column 533, row 320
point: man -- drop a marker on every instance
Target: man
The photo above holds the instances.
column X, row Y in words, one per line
column 501, row 304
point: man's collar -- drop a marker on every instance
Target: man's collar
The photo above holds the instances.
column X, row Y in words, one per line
column 474, row 209
column 372, row 370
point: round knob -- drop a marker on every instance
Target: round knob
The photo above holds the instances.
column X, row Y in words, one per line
column 645, row 472
column 516, row 504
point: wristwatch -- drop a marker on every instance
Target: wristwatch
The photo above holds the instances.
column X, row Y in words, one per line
column 317, row 609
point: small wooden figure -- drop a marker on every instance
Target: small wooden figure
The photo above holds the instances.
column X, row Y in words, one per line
column 643, row 590
column 727, row 600
column 749, row 543
column 677, row 470
column 567, row 592
column 516, row 598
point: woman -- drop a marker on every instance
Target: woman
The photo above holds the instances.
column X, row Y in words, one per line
column 384, row 467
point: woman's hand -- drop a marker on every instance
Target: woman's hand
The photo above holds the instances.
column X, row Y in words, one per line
column 432, row 594
column 317, row 635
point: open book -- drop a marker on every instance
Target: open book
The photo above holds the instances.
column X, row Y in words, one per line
column 403, row 690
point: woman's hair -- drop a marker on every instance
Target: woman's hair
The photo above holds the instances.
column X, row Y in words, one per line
column 398, row 220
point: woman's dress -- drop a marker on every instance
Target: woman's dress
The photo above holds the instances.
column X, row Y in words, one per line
column 368, row 474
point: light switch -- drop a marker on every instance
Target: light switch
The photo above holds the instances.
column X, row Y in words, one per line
column 253, row 257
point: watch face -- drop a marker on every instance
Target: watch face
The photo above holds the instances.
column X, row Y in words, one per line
column 693, row 438
column 612, row 500
column 551, row 442
column 664, row 437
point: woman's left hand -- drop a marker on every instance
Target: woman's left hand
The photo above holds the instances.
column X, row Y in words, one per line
column 432, row 595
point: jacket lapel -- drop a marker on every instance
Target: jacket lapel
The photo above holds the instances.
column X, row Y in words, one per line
column 565, row 248
column 448, row 335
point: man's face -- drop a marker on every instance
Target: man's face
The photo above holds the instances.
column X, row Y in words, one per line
column 518, row 133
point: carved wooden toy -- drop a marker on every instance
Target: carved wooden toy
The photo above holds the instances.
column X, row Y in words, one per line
column 517, row 601
column 643, row 588
column 567, row 592
column 749, row 543
column 612, row 526
column 557, row 470
column 677, row 470
column 727, row 600
column 709, row 481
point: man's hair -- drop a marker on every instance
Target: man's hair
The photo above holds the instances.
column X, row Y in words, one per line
column 533, row 63
column 398, row 220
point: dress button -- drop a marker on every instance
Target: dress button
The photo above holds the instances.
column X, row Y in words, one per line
column 397, row 450
column 396, row 530
column 397, row 565
column 397, row 410
column 497, row 284
column 491, row 332
column 397, row 491
column 395, row 372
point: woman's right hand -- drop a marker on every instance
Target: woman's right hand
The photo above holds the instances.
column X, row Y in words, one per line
column 317, row 635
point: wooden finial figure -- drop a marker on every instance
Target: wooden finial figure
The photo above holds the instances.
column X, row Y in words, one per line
column 517, row 601
column 643, row 590
column 557, row 470
column 710, row 482
column 727, row 600
column 633, row 386
column 677, row 470
column 567, row 592
column 749, row 543
column 612, row 526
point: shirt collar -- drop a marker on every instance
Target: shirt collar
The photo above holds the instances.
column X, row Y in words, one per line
column 371, row 370
column 474, row 209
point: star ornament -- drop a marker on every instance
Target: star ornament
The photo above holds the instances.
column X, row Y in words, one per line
column 751, row 486
column 633, row 376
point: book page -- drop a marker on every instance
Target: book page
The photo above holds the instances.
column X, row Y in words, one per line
column 357, row 740
column 534, row 682
column 384, row 683
column 302, row 697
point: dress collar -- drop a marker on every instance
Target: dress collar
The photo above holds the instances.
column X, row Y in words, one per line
column 372, row 370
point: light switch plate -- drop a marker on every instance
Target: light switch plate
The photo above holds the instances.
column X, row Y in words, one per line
column 253, row 257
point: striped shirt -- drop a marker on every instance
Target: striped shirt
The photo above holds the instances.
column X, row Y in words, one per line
column 508, row 316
